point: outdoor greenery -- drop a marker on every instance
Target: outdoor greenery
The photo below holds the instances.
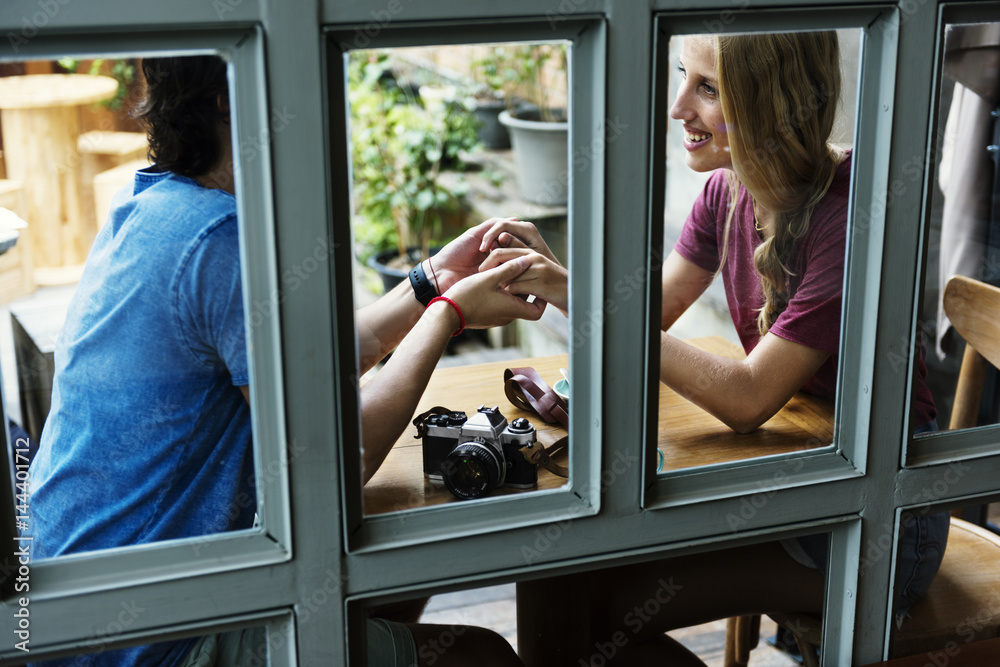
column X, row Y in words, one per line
column 122, row 70
column 524, row 73
column 402, row 152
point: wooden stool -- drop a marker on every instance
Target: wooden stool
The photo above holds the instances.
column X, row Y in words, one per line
column 40, row 117
column 99, row 152
column 16, row 277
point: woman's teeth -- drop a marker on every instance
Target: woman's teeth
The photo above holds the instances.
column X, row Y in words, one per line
column 696, row 137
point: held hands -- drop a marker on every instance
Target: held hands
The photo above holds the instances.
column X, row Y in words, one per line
column 462, row 257
column 508, row 239
column 489, row 246
column 486, row 300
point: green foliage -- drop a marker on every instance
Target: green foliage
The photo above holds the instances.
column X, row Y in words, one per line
column 516, row 71
column 122, row 70
column 400, row 151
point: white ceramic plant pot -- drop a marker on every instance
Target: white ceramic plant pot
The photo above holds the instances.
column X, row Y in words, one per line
column 540, row 157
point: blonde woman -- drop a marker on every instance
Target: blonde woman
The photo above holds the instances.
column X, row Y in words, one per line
column 758, row 111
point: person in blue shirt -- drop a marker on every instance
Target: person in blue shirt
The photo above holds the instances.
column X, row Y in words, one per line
column 148, row 437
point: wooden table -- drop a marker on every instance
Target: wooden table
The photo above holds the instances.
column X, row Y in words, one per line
column 688, row 436
column 40, row 121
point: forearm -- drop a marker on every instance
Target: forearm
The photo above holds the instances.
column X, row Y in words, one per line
column 389, row 400
column 734, row 391
column 383, row 324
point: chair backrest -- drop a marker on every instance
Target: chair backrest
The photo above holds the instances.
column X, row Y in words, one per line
column 974, row 310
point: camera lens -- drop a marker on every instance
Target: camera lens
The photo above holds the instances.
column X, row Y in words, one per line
column 471, row 470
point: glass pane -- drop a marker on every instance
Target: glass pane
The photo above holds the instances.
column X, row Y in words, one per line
column 443, row 139
column 247, row 647
column 459, row 627
column 769, row 117
column 964, row 236
column 942, row 607
column 672, row 607
column 125, row 360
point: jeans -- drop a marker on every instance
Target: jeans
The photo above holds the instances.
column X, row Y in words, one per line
column 921, row 549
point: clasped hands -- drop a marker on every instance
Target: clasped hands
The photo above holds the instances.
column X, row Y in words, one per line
column 493, row 261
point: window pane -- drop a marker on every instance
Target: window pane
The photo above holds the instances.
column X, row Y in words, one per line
column 940, row 603
column 247, row 647
column 126, row 365
column 442, row 139
column 769, row 116
column 964, row 237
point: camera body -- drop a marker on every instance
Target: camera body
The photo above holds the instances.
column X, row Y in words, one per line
column 474, row 455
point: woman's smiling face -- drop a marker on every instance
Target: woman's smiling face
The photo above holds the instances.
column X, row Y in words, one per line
column 698, row 107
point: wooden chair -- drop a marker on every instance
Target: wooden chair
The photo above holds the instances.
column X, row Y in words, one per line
column 963, row 603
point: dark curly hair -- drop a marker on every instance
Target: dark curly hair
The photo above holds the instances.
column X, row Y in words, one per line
column 180, row 112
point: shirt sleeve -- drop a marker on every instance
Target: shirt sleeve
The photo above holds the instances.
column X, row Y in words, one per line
column 210, row 313
column 701, row 235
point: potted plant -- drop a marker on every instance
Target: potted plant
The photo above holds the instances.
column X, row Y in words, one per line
column 493, row 93
column 538, row 128
column 406, row 161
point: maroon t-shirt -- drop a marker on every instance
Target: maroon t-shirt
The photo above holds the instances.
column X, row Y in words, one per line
column 812, row 317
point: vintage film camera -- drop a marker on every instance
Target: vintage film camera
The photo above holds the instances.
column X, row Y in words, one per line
column 474, row 455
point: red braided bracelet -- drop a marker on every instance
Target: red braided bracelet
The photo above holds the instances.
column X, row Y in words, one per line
column 461, row 317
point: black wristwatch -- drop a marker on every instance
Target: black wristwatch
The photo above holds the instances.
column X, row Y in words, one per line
column 423, row 289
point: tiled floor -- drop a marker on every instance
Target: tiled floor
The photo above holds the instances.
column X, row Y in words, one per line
column 494, row 608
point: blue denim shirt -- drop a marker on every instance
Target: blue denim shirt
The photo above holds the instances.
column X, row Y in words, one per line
column 148, row 436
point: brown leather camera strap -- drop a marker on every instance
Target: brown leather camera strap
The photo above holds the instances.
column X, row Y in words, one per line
column 536, row 453
column 420, row 421
column 526, row 389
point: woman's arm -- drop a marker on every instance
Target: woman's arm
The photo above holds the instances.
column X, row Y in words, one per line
column 683, row 282
column 741, row 393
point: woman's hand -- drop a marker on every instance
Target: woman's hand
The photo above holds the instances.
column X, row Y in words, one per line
column 512, row 233
column 460, row 258
column 486, row 299
column 544, row 278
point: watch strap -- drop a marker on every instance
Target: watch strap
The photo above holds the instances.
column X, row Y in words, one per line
column 423, row 289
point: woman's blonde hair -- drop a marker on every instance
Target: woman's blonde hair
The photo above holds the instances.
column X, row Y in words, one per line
column 779, row 96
